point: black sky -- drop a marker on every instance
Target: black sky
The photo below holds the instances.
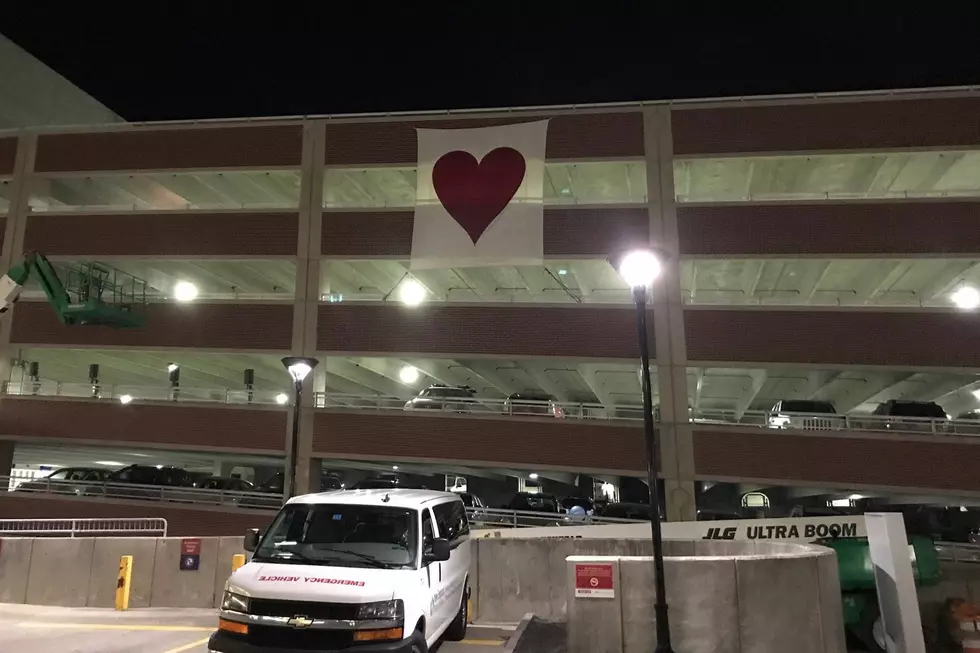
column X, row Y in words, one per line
column 171, row 60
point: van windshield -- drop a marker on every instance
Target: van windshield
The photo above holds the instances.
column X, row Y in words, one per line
column 342, row 535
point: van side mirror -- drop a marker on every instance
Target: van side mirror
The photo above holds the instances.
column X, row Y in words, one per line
column 438, row 552
column 251, row 539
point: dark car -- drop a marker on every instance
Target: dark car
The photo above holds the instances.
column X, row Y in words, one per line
column 451, row 398
column 806, row 414
column 637, row 511
column 225, row 483
column 905, row 415
column 588, row 505
column 147, row 482
column 533, row 403
column 533, row 502
column 386, row 482
column 68, row 480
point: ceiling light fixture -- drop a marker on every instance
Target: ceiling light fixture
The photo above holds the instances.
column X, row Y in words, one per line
column 185, row 291
column 173, row 367
column 282, row 398
column 109, row 463
column 125, row 399
column 411, row 292
column 533, row 477
column 408, row 374
column 966, row 298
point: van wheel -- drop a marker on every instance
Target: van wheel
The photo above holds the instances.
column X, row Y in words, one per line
column 418, row 644
column 457, row 629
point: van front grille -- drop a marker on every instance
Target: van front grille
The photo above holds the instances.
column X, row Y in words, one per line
column 277, row 637
column 308, row 609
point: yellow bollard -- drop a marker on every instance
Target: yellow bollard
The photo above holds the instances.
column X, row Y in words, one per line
column 124, row 582
column 237, row 561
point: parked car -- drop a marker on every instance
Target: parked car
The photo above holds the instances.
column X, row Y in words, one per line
column 451, row 398
column 805, row 414
column 904, row 415
column 225, row 483
column 967, row 423
column 625, row 510
column 68, row 480
column 588, row 505
column 387, row 481
column 147, row 482
column 533, row 403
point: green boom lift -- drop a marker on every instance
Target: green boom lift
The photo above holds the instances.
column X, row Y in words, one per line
column 92, row 293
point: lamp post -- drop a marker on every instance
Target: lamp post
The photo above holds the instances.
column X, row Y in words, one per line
column 640, row 268
column 299, row 367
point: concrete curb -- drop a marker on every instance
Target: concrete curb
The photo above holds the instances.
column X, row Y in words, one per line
column 515, row 639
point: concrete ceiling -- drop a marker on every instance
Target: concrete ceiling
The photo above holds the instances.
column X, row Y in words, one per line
column 729, row 179
column 571, row 381
column 728, row 282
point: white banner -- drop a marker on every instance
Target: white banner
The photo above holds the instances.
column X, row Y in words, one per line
column 791, row 529
column 480, row 197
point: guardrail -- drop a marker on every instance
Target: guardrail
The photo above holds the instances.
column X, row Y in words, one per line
column 490, row 517
column 482, row 407
column 958, row 552
column 149, row 526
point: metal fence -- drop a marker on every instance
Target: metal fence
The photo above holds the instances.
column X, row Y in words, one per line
column 146, row 526
column 486, row 407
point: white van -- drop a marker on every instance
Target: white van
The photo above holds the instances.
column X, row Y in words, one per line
column 372, row 571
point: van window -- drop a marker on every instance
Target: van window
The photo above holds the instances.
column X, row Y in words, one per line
column 451, row 519
column 342, row 535
column 428, row 533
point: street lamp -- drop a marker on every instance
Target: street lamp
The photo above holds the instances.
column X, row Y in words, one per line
column 299, row 367
column 640, row 268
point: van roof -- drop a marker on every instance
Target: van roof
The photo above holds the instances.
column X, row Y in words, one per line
column 398, row 497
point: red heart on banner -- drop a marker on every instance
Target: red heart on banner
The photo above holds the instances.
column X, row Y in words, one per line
column 476, row 192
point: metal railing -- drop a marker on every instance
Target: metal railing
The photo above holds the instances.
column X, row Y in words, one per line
column 489, row 517
column 149, row 526
column 958, row 552
column 128, row 392
column 481, row 407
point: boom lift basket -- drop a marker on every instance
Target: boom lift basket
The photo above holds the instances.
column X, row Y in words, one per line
column 101, row 294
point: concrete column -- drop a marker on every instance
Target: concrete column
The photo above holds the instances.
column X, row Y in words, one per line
column 13, row 239
column 670, row 348
column 6, row 459
column 306, row 304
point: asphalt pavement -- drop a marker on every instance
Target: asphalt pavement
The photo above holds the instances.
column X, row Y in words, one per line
column 44, row 629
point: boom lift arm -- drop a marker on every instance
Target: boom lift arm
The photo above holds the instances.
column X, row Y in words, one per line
column 94, row 293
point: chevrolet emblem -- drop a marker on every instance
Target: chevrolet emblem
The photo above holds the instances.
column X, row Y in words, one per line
column 300, row 621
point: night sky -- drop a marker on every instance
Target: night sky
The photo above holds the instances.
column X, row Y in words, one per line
column 157, row 61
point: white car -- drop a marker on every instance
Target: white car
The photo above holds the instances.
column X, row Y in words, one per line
column 372, row 571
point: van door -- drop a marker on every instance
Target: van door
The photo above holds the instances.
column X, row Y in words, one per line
column 453, row 526
column 432, row 575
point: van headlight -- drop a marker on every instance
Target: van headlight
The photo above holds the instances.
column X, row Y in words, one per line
column 234, row 602
column 382, row 610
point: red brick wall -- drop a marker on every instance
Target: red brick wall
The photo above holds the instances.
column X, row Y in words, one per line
column 8, row 153
column 251, row 146
column 596, row 232
column 198, row 426
column 561, row 444
column 197, row 324
column 175, row 234
column 573, row 136
column 475, row 330
column 908, row 227
column 778, row 456
column 914, row 338
column 181, row 521
column 852, row 125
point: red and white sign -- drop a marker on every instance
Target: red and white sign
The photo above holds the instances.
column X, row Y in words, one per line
column 594, row 581
column 190, row 546
column 480, row 196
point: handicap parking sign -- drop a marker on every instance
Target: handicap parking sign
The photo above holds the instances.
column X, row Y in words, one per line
column 190, row 562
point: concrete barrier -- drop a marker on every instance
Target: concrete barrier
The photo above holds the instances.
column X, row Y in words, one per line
column 105, row 568
column 766, row 597
column 59, row 571
column 175, row 588
column 15, row 565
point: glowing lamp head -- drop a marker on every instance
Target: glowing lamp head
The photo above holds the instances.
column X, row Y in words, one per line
column 299, row 367
column 185, row 291
column 125, row 399
column 640, row 268
column 282, row 398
